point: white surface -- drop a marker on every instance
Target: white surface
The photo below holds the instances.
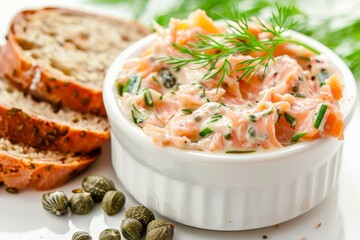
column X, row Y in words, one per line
column 222, row 191
column 22, row 217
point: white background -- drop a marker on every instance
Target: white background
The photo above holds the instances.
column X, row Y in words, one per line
column 22, row 217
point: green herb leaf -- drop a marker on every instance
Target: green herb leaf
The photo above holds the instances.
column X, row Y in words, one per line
column 136, row 115
column 148, row 98
column 296, row 137
column 186, row 111
column 238, row 39
column 240, row 151
column 300, row 95
column 120, row 89
column 320, row 115
column 133, row 84
column 322, row 76
column 205, row 132
column 290, row 119
column 252, row 117
column 215, row 118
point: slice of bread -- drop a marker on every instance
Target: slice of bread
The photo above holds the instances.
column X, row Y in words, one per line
column 61, row 55
column 38, row 124
column 23, row 166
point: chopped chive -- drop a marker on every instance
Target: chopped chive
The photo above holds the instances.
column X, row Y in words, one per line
column 300, row 95
column 252, row 117
column 120, row 89
column 161, row 97
column 290, row 119
column 148, row 98
column 203, row 94
column 133, row 84
column 322, row 76
column 296, row 137
column 207, row 100
column 251, row 132
column 320, row 115
column 215, row 118
column 223, row 104
column 133, row 117
column 303, row 58
column 205, row 132
column 268, row 112
column 136, row 119
column 239, row 151
column 186, row 111
column 227, row 136
column 156, row 80
column 278, row 118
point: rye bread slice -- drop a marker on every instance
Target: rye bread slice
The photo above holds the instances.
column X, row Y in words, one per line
column 38, row 124
column 61, row 55
column 22, row 166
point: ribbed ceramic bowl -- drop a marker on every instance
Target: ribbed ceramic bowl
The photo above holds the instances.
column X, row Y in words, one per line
column 224, row 191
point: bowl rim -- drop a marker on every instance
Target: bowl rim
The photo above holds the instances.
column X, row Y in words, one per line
column 121, row 120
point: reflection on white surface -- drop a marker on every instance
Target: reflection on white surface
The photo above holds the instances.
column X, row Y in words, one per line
column 22, row 216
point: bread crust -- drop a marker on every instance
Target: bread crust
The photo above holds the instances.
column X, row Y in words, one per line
column 20, row 174
column 21, row 127
column 65, row 91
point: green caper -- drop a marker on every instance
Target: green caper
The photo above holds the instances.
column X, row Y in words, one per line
column 141, row 213
column 81, row 203
column 132, row 229
column 110, row 234
column 159, row 230
column 113, row 202
column 81, row 235
column 55, row 202
column 97, row 186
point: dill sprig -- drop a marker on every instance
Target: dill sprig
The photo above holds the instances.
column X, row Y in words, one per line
column 212, row 51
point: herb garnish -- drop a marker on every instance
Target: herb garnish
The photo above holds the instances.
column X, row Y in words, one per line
column 320, row 115
column 212, row 51
column 148, row 98
column 186, row 111
column 205, row 132
column 133, row 84
column 120, row 89
column 136, row 115
column 290, row 119
column 252, row 117
column 322, row 76
column 215, row 118
column 296, row 137
column 241, row 151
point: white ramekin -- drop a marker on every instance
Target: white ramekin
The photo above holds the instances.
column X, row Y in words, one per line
column 224, row 191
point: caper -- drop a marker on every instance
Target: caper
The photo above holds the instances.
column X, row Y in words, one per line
column 81, row 235
column 81, row 203
column 132, row 229
column 168, row 79
column 159, row 230
column 97, row 186
column 113, row 202
column 110, row 234
column 141, row 213
column 55, row 202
